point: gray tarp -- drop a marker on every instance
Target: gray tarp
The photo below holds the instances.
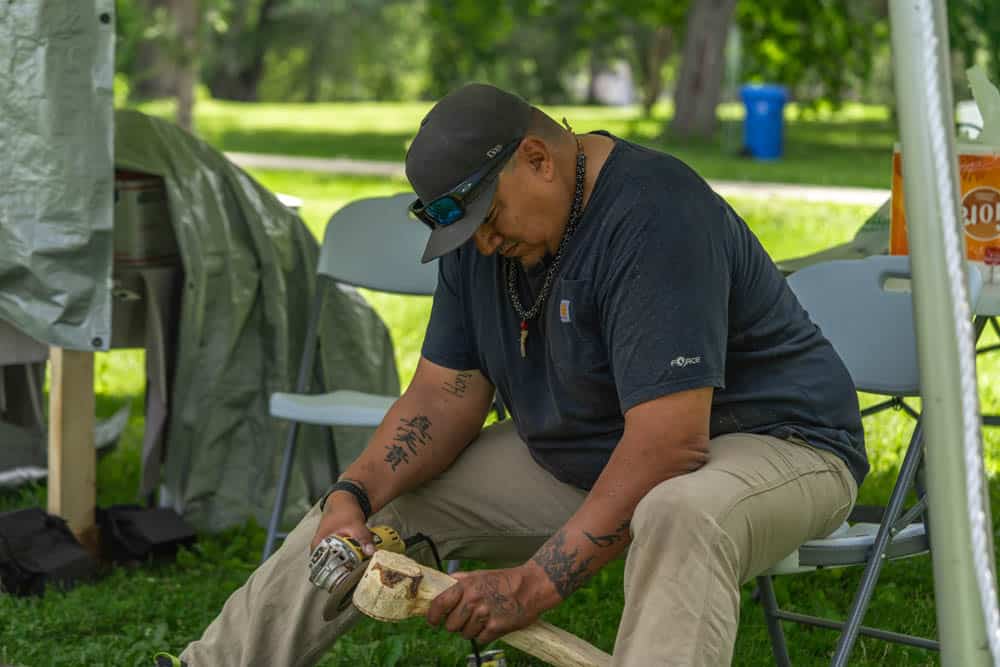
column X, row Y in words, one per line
column 56, row 99
column 249, row 266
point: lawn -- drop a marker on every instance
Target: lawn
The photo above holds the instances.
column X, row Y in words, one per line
column 130, row 614
column 852, row 147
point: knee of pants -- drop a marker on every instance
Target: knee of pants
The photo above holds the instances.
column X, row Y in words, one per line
column 404, row 514
column 408, row 515
column 388, row 516
column 676, row 507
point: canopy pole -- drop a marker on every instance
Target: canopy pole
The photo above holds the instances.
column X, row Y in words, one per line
column 925, row 109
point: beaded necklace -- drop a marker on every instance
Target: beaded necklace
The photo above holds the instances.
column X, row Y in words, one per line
column 574, row 219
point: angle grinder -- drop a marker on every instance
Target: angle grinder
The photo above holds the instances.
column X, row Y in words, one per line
column 338, row 562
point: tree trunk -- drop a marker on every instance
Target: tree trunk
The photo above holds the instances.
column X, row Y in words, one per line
column 186, row 13
column 318, row 61
column 241, row 83
column 154, row 73
column 227, row 60
column 314, row 72
column 596, row 66
column 658, row 49
column 702, row 68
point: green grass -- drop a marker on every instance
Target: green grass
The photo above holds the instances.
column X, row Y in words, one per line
column 852, row 147
column 131, row 613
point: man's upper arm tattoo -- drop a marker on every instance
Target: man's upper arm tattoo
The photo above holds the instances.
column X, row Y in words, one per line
column 561, row 565
column 460, row 385
column 411, row 436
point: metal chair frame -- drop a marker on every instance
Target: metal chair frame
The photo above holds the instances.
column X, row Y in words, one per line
column 901, row 532
column 362, row 232
column 354, row 237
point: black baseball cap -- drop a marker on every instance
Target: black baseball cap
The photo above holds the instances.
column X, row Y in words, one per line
column 459, row 135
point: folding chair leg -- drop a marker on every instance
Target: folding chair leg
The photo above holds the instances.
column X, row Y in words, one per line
column 498, row 408
column 35, row 375
column 302, row 384
column 979, row 326
column 770, row 604
column 859, row 606
column 281, row 494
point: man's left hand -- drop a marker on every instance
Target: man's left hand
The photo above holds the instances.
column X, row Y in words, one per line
column 488, row 604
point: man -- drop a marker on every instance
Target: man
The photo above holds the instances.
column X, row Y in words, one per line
column 668, row 395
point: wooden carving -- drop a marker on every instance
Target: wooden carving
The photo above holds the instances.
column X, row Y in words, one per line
column 395, row 587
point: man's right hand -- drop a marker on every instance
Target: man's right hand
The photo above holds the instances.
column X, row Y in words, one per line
column 343, row 516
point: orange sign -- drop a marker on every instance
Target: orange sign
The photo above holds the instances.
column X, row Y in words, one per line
column 979, row 174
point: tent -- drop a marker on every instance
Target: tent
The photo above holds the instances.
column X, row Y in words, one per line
column 230, row 328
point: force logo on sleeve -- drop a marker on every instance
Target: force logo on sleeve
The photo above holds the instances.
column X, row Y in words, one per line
column 684, row 362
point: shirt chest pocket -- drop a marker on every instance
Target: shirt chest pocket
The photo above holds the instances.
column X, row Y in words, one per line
column 575, row 340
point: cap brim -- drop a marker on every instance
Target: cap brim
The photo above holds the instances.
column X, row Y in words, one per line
column 445, row 239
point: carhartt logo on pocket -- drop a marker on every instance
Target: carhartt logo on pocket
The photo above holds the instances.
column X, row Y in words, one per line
column 682, row 361
column 564, row 314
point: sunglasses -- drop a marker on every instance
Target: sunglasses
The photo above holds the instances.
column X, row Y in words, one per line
column 450, row 207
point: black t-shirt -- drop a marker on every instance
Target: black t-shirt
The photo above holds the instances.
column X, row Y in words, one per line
column 662, row 288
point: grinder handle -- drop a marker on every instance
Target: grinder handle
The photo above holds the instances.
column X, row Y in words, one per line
column 387, row 538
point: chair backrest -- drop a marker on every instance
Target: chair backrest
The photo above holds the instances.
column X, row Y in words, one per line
column 374, row 243
column 865, row 308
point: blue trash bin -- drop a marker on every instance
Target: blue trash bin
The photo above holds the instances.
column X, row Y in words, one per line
column 764, row 124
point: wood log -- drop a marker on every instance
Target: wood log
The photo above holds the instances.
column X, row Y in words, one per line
column 395, row 587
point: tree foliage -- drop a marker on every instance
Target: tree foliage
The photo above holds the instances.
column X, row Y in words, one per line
column 644, row 33
column 542, row 48
column 309, row 50
column 550, row 51
column 241, row 33
column 819, row 49
column 974, row 32
column 530, row 46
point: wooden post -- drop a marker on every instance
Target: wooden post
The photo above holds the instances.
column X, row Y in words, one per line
column 72, row 455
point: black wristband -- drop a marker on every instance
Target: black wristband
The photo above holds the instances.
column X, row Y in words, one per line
column 356, row 491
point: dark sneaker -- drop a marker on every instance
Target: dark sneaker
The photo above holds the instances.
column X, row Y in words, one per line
column 167, row 660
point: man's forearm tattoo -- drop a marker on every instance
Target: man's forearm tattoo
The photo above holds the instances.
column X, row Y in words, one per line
column 411, row 435
column 561, row 565
column 611, row 539
column 460, row 385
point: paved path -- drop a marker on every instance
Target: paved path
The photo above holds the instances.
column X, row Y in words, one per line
column 813, row 193
column 318, row 164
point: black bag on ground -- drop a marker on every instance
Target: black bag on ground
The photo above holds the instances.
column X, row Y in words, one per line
column 38, row 549
column 133, row 532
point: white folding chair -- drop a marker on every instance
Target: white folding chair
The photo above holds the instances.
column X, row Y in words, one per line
column 865, row 309
column 370, row 243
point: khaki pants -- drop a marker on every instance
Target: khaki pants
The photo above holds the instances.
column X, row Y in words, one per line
column 696, row 539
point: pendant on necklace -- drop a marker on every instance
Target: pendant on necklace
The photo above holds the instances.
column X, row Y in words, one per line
column 524, row 338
